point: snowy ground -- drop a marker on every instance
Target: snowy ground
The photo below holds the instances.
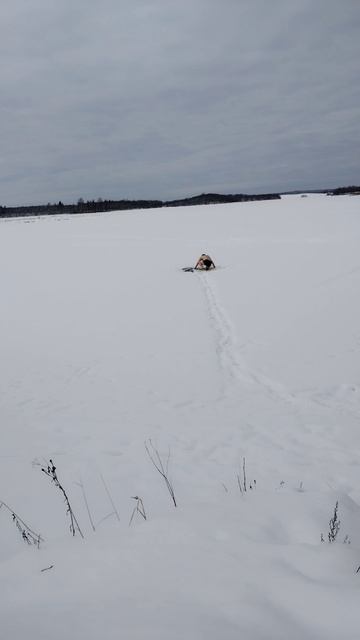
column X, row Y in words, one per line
column 106, row 343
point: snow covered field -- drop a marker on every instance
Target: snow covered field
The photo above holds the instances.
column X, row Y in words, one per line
column 105, row 344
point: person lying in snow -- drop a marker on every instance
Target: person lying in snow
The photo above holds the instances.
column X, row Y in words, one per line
column 205, row 263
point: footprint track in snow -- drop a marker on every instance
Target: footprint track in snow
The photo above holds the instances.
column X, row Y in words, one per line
column 234, row 368
column 225, row 337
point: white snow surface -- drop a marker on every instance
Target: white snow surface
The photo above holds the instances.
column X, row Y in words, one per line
column 105, row 344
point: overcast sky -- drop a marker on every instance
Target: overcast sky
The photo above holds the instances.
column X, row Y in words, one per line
column 167, row 98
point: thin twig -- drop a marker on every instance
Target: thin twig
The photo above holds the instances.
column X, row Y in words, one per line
column 50, row 471
column 80, row 484
column 139, row 508
column 109, row 496
column 159, row 466
column 28, row 535
column 106, row 517
column 244, row 475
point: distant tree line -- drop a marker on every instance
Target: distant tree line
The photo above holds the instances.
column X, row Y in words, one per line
column 92, row 206
column 341, row 191
column 217, row 198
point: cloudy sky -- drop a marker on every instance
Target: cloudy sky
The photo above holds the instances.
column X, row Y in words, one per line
column 167, row 98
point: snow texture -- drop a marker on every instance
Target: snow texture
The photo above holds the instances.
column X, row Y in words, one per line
column 105, row 344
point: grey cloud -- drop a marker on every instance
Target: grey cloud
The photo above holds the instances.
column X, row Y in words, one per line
column 163, row 99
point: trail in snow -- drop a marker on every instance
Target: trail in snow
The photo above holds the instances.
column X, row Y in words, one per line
column 225, row 338
column 234, row 368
